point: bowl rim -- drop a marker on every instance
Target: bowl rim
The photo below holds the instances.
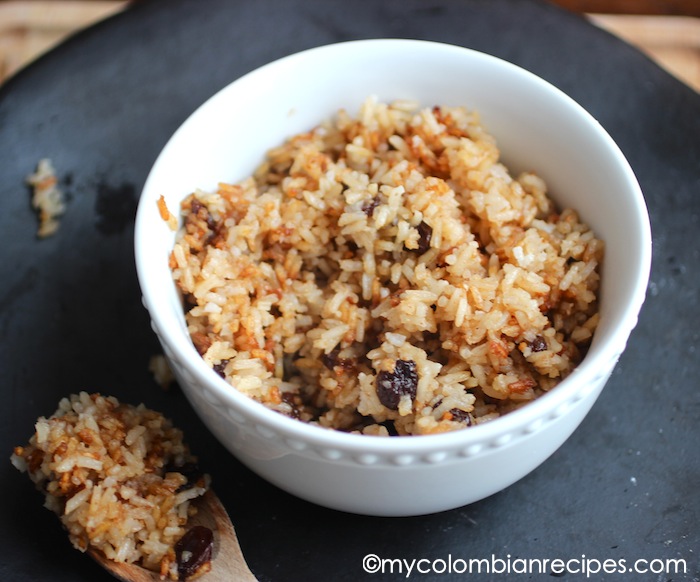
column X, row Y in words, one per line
column 568, row 391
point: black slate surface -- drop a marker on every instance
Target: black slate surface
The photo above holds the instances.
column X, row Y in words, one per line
column 625, row 486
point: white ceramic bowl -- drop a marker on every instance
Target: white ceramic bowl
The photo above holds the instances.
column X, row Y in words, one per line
column 537, row 127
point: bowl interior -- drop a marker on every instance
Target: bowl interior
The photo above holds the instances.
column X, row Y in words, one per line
column 536, row 127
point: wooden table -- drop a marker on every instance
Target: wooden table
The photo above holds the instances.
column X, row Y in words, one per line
column 30, row 27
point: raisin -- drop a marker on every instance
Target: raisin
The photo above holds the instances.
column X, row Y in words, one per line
column 390, row 427
column 459, row 415
column 294, row 402
column 212, row 224
column 391, row 386
column 196, row 207
column 425, row 232
column 331, row 361
column 220, row 368
column 538, row 344
column 368, row 207
column 193, row 552
column 189, row 300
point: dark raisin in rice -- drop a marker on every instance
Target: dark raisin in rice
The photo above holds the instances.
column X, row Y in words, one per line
column 331, row 361
column 538, row 344
column 391, row 386
column 390, row 427
column 193, row 551
column 425, row 232
column 294, row 402
column 220, row 368
column 196, row 205
column 368, row 207
column 459, row 415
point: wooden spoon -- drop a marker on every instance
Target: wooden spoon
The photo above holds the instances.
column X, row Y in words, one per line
column 227, row 561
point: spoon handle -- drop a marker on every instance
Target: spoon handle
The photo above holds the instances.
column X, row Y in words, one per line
column 228, row 562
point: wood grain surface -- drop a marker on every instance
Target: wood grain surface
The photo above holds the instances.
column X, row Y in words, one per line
column 677, row 7
column 30, row 28
column 667, row 31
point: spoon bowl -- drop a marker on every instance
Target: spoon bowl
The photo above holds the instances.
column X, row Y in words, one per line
column 227, row 561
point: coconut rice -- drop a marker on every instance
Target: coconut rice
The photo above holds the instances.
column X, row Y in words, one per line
column 388, row 275
column 119, row 477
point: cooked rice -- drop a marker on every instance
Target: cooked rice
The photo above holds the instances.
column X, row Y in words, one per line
column 119, row 477
column 162, row 373
column 388, row 275
column 47, row 198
